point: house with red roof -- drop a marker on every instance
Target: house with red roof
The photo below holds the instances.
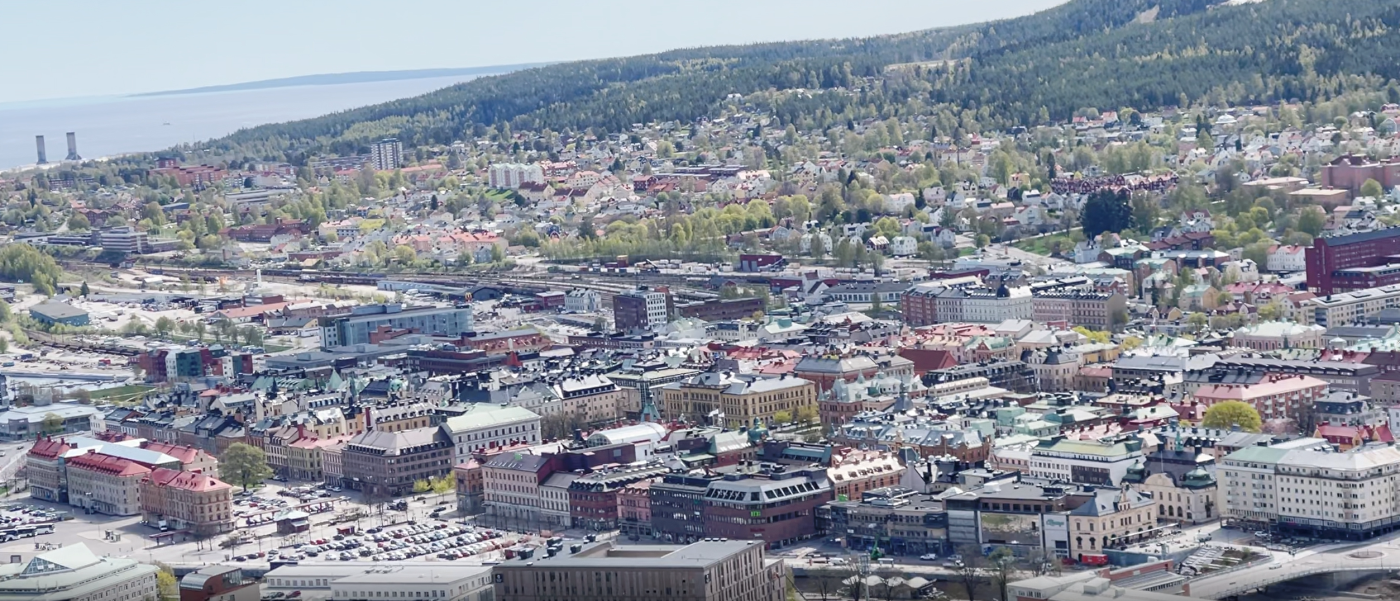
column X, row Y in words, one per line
column 105, row 484
column 44, row 466
column 193, row 502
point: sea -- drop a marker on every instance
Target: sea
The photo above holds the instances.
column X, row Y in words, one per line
column 114, row 125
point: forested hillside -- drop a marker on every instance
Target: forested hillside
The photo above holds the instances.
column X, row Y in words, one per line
column 1101, row 53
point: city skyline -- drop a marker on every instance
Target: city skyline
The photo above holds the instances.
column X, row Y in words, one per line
column 141, row 50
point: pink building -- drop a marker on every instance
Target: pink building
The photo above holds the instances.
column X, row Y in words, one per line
column 1277, row 396
column 634, row 508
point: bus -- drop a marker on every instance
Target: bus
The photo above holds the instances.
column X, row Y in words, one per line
column 43, row 529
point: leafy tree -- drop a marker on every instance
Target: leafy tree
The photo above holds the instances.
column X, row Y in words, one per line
column 783, row 417
column 244, row 464
column 166, row 584
column 53, row 424
column 422, row 486
column 79, row 222
column 1372, row 188
column 443, row 484
column 1311, row 220
column 982, row 241
column 1106, row 211
column 1227, row 414
column 164, row 325
column 806, row 414
column 84, row 290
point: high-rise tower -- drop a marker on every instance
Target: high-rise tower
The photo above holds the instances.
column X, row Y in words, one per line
column 72, row 148
column 43, row 153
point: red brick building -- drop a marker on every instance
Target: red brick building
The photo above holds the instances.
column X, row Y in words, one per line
column 775, row 504
column 1351, row 171
column 1354, row 262
column 593, row 498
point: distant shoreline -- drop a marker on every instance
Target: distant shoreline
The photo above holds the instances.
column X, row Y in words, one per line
column 344, row 78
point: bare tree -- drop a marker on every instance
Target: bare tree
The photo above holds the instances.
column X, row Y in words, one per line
column 828, row 582
column 1001, row 569
column 969, row 571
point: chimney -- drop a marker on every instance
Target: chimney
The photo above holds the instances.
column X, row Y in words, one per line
column 43, row 152
column 72, row 148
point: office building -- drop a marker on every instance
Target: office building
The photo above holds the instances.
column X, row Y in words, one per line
column 1028, row 519
column 75, row 573
column 1351, row 171
column 594, row 498
column 105, row 484
column 1353, row 262
column 386, row 154
column 642, row 309
column 900, row 521
column 772, row 503
column 43, row 150
column 72, row 148
column 734, row 570
column 365, row 321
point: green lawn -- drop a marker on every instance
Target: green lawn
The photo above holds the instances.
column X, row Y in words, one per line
column 1041, row 245
column 121, row 393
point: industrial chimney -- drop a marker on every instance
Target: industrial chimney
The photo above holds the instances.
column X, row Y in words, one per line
column 72, row 148
column 43, row 154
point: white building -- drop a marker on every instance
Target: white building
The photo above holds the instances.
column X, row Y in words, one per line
column 582, row 300
column 554, row 501
column 904, row 246
column 1318, row 492
column 1348, row 308
column 1097, row 462
column 487, row 425
column 1286, row 259
column 401, row 580
column 75, row 573
column 386, row 154
column 514, row 175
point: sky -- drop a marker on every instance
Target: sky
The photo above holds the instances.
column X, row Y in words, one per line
column 81, row 48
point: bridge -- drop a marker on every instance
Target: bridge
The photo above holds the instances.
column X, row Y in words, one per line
column 1380, row 557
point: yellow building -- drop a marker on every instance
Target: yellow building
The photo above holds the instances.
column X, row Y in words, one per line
column 740, row 398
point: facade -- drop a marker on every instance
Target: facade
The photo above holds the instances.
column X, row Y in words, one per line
column 56, row 313
column 634, row 509
column 386, row 154
column 898, row 520
column 512, row 176
column 938, row 302
column 1357, row 306
column 774, row 504
column 43, row 464
column 1097, row 462
column 1277, row 396
column 360, row 582
column 1351, row 171
column 488, row 426
column 1278, row 335
column 356, row 328
column 1297, row 490
column 721, row 309
column 642, row 309
column 594, row 498
column 741, row 399
column 1353, row 262
column 1092, row 309
column 105, row 484
column 386, row 464
column 1112, row 518
column 512, row 483
column 75, row 573
column 197, row 503
column 1189, row 499
column 583, row 300
column 593, row 400
column 1030, row 520
column 678, row 506
column 734, row 570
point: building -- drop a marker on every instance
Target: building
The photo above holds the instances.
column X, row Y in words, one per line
column 593, row 400
column 1101, row 462
column 1144, row 582
column 1100, row 310
column 512, row 176
column 486, row 426
column 1277, row 396
column 740, row 399
column 43, row 464
column 386, row 154
column 1353, row 262
column 1295, row 490
column 583, row 300
column 360, row 582
column 512, row 483
column 594, row 498
column 1278, row 335
column 642, row 308
column 773, row 503
column 1355, row 307
column 1351, row 171
column 703, row 571
column 825, row 370
column 950, row 301
column 75, row 573
column 900, row 521
column 1114, row 517
column 1189, row 498
column 219, row 583
column 52, row 312
column 105, row 484
column 196, row 503
column 721, row 309
column 357, row 327
column 634, row 509
column 386, row 464
column 1027, row 518
column 678, row 505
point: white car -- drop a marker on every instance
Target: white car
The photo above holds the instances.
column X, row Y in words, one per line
column 929, row 557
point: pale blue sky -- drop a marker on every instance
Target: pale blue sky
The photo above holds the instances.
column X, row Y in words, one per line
column 68, row 48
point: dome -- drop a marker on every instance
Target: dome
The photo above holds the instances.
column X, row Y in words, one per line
column 1198, row 478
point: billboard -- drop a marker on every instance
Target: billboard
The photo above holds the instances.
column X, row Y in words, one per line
column 1010, row 529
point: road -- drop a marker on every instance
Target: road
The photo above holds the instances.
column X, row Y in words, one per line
column 1382, row 553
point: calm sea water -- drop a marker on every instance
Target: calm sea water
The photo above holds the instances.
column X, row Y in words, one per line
column 115, row 125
